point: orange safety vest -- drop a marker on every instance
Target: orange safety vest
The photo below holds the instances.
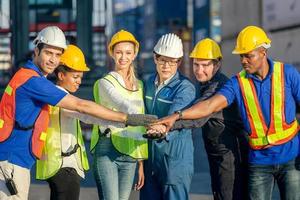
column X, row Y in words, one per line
column 8, row 108
column 279, row 131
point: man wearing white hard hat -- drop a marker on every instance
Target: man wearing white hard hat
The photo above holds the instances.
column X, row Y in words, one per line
column 169, row 169
column 24, row 113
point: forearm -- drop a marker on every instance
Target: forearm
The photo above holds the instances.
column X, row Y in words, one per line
column 205, row 108
column 94, row 109
column 187, row 123
column 197, row 111
column 88, row 107
column 88, row 119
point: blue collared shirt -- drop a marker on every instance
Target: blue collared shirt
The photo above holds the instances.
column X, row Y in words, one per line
column 231, row 91
column 30, row 98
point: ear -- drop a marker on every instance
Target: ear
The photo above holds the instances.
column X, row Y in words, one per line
column 154, row 58
column 60, row 76
column 135, row 55
column 36, row 51
column 264, row 52
column 218, row 65
column 180, row 61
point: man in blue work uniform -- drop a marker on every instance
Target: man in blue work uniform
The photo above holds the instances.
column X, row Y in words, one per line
column 23, row 103
column 266, row 92
column 169, row 169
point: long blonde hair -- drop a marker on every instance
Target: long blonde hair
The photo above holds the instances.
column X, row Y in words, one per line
column 131, row 76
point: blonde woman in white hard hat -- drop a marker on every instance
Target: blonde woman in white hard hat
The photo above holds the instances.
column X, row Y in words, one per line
column 24, row 113
column 117, row 150
column 169, row 169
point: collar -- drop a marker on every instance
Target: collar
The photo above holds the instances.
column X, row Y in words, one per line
column 30, row 65
column 120, row 79
column 215, row 78
column 63, row 89
column 271, row 66
column 166, row 82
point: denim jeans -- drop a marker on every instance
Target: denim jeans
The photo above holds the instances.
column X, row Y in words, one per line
column 114, row 172
column 263, row 177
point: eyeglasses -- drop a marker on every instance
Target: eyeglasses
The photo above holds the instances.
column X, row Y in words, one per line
column 171, row 63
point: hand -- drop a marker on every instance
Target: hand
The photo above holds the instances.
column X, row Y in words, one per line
column 141, row 176
column 168, row 121
column 156, row 132
column 140, row 119
column 159, row 128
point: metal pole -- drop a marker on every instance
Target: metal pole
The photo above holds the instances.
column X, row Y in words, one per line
column 20, row 31
column 84, row 27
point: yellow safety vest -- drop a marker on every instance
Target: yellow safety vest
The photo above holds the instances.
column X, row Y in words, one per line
column 52, row 159
column 279, row 131
column 127, row 140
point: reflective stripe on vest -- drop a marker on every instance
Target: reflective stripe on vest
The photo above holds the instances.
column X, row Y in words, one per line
column 51, row 160
column 127, row 140
column 8, row 108
column 279, row 131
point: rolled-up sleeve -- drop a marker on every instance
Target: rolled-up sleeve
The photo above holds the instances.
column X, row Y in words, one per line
column 228, row 91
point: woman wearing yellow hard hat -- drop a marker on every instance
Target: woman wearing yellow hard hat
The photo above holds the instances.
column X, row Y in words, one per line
column 116, row 150
column 64, row 158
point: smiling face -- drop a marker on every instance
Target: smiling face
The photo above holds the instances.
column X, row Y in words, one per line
column 123, row 55
column 70, row 80
column 47, row 58
column 166, row 67
column 205, row 69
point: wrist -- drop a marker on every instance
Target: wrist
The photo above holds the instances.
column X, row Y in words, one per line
column 124, row 118
column 178, row 114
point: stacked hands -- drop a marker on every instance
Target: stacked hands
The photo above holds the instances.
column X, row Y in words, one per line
column 156, row 128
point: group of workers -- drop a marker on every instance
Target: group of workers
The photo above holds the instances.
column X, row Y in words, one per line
column 249, row 124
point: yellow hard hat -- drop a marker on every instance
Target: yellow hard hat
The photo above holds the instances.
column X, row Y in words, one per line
column 74, row 59
column 206, row 49
column 122, row 36
column 251, row 38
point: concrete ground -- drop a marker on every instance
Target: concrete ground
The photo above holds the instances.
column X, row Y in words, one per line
column 41, row 192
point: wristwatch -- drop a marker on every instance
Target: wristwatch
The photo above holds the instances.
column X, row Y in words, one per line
column 179, row 112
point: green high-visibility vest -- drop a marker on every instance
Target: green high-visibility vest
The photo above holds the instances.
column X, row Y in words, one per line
column 51, row 160
column 127, row 140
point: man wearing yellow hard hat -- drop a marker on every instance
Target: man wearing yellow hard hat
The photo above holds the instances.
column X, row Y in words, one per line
column 267, row 93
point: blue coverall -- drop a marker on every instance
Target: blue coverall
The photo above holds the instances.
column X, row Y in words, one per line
column 169, row 169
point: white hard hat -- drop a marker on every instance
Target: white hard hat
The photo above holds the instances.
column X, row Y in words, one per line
column 51, row 35
column 169, row 45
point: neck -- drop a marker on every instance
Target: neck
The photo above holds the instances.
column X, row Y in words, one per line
column 124, row 74
column 160, row 80
column 44, row 73
column 263, row 71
